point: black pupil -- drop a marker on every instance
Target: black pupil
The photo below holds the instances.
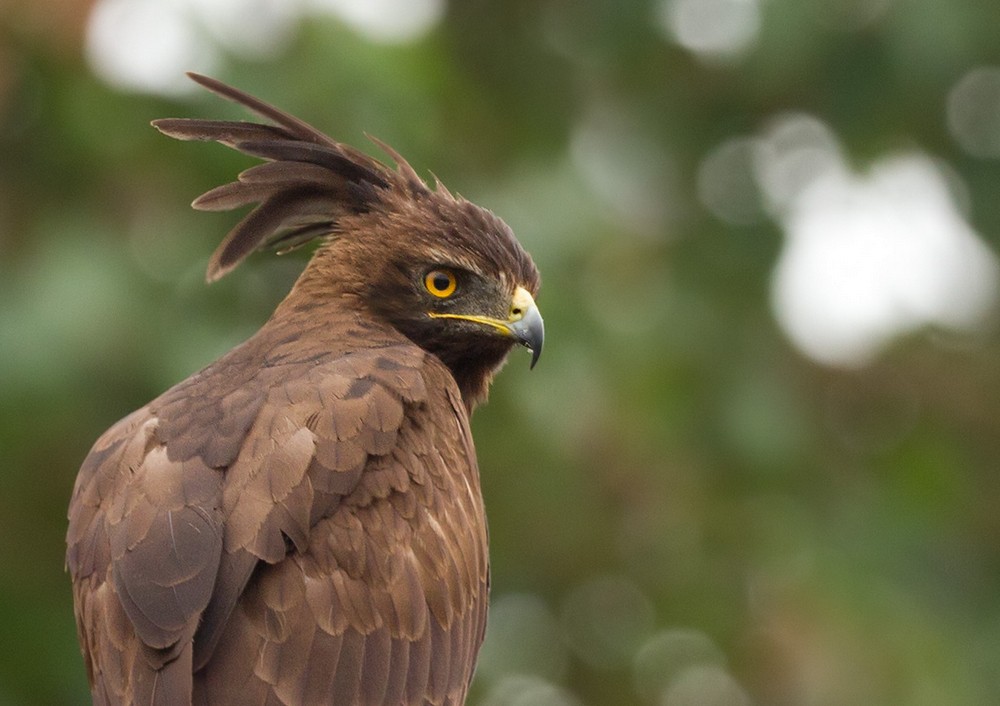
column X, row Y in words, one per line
column 441, row 281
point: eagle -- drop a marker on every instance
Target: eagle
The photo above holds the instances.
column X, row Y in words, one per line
column 301, row 521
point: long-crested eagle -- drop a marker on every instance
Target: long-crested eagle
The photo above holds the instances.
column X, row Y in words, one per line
column 301, row 521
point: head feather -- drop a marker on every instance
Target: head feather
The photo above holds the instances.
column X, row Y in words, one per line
column 308, row 183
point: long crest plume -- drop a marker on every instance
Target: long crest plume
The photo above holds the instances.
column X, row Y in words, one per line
column 306, row 183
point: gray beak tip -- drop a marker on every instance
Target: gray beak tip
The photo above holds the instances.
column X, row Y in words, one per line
column 530, row 333
column 535, row 354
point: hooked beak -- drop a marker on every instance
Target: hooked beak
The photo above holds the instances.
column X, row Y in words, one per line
column 525, row 323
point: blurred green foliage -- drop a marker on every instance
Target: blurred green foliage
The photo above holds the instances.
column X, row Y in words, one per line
column 683, row 509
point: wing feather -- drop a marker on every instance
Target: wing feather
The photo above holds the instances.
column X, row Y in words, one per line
column 314, row 546
column 381, row 625
column 321, row 666
column 399, row 668
column 144, row 544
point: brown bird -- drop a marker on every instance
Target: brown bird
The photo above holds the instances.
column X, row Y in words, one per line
column 301, row 521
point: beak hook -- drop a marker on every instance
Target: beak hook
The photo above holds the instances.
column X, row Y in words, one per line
column 528, row 329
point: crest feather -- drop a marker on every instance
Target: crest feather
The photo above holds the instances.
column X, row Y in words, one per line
column 307, row 183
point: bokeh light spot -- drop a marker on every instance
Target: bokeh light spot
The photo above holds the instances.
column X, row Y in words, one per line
column 256, row 29
column 867, row 257
column 794, row 150
column 626, row 168
column 527, row 690
column 522, row 637
column 726, row 184
column 712, row 29
column 870, row 257
column 705, row 685
column 605, row 619
column 973, row 110
column 663, row 657
column 390, row 21
column 145, row 45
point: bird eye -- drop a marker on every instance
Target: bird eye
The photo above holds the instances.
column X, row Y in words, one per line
column 440, row 283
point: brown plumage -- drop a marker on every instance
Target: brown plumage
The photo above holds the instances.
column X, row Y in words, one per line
column 301, row 521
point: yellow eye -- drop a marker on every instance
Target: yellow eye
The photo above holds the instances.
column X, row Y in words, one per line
column 440, row 283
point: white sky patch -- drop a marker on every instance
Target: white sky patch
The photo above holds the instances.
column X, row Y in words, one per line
column 712, row 29
column 147, row 45
column 869, row 257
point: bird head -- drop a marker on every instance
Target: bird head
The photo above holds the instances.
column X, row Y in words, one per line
column 444, row 272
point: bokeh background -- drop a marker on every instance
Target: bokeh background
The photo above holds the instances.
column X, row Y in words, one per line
column 758, row 462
